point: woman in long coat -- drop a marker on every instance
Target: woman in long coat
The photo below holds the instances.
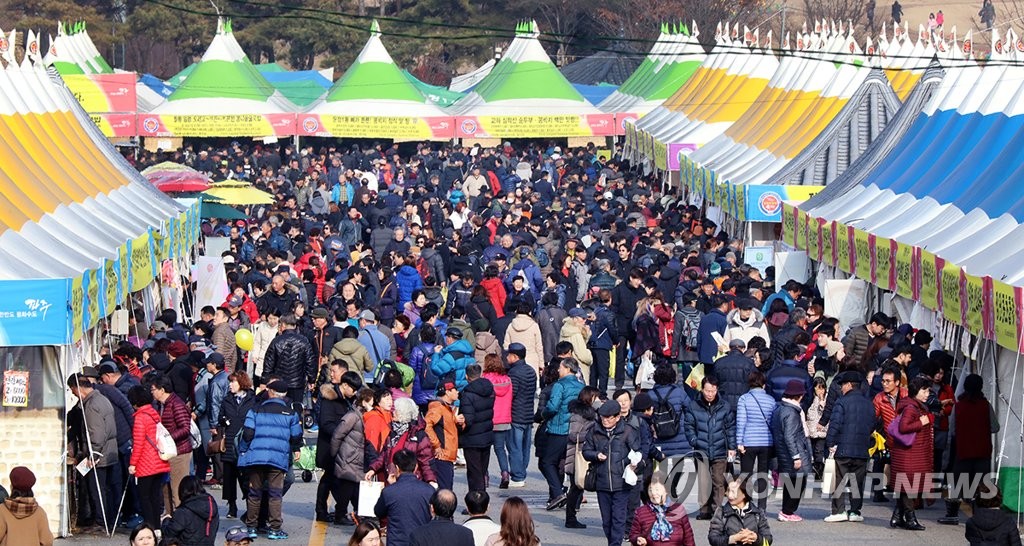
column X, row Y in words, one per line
column 911, row 465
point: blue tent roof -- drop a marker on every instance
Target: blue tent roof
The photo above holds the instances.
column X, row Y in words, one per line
column 156, row 84
column 595, row 93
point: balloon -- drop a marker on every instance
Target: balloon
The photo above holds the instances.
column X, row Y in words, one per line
column 243, row 338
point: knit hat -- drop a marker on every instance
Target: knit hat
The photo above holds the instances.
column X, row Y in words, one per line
column 22, row 479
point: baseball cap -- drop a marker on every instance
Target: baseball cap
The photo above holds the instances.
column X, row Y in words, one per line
column 453, row 333
column 108, row 367
column 577, row 312
column 235, row 301
column 369, row 315
column 278, row 386
column 90, row 372
column 237, row 534
column 737, row 343
column 158, row 325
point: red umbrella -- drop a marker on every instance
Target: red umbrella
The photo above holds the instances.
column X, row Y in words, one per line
column 172, row 177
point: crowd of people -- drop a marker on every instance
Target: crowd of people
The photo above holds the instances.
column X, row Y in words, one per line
column 418, row 314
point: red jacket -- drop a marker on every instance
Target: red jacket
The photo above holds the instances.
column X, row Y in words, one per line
column 973, row 429
column 885, row 411
column 145, row 456
column 911, row 464
column 248, row 307
column 496, row 293
column 177, row 420
column 643, row 520
column 416, row 440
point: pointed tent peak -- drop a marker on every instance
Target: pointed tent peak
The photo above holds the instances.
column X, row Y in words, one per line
column 748, row 36
column 922, row 34
column 694, row 31
column 997, row 43
column 869, row 47
column 7, row 47
column 803, row 29
column 785, row 41
column 832, row 27
column 968, row 46
column 817, row 26
column 718, row 31
column 756, row 40
column 735, row 31
column 842, row 28
column 227, row 26
column 664, row 28
column 768, row 40
column 374, row 28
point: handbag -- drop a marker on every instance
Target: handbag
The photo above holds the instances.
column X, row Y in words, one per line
column 645, row 374
column 828, row 477
column 898, row 437
column 164, row 444
column 195, row 436
column 590, row 479
column 582, row 468
column 217, row 445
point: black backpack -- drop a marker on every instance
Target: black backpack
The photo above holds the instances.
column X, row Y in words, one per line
column 665, row 418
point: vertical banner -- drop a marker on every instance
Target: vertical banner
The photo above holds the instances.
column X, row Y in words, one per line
column 904, row 270
column 940, row 266
column 1006, row 319
column 873, row 256
column 788, row 224
column 988, row 308
column 915, row 273
column 108, row 287
column 882, row 255
column 975, row 304
column 141, row 262
column 123, row 272
column 843, row 250
column 828, row 243
column 929, row 281
column 814, row 238
column 862, row 254
column 951, row 308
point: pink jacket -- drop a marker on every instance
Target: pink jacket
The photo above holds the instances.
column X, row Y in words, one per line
column 502, row 397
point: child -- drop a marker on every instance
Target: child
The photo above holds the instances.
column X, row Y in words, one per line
column 817, row 432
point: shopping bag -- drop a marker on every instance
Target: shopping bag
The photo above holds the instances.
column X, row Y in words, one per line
column 581, row 467
column 828, row 477
column 165, row 445
column 369, row 493
column 645, row 374
column 696, row 377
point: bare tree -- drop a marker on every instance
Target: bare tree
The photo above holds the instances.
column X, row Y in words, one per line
column 835, row 10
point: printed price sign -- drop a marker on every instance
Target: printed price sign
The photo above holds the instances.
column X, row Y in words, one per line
column 15, row 389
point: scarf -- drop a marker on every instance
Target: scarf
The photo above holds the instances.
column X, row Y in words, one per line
column 662, row 529
column 399, row 428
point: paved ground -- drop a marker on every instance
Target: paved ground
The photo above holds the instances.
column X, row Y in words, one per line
column 298, row 515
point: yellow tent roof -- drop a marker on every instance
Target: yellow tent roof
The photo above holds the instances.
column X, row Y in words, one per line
column 240, row 195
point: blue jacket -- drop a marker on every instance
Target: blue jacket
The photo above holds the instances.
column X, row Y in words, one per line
column 853, row 419
column 790, row 442
column 603, row 332
column 217, row 389
column 781, row 294
column 565, row 390
column 711, row 428
column 448, row 361
column 408, row 281
column 270, row 435
column 406, row 504
column 419, row 359
column 753, row 419
column 124, row 414
column 676, row 396
column 707, row 348
column 535, row 281
column 780, row 376
column 379, row 348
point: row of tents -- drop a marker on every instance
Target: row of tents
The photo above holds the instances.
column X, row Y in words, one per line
column 225, row 94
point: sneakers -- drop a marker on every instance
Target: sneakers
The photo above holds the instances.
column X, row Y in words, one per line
column 132, row 522
column 790, row 517
column 556, row 502
column 253, row 534
column 855, row 517
column 513, row 484
column 277, row 534
column 836, row 518
column 314, row 428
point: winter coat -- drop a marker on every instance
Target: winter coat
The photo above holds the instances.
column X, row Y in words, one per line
column 408, row 281
column 916, row 461
column 753, row 419
column 476, row 404
column 550, row 320
column 377, row 426
column 176, row 418
column 728, row 521
column 324, row 340
column 453, row 360
column 419, row 359
column 615, row 444
column 24, row 523
column 582, row 418
column 645, row 517
column 271, row 433
column 513, row 299
column 782, row 373
column 124, row 413
column 528, row 270
column 145, row 455
column 416, row 440
column 354, row 354
column 603, row 333
column 556, row 411
column 814, row 412
column 732, row 371
column 853, row 419
column 232, row 419
column 480, row 307
column 992, row 527
column 291, row 358
column 263, row 334
column 790, row 442
column 676, row 396
column 748, row 329
column 348, row 447
column 406, row 505
column 442, row 430
column 101, row 426
column 224, row 339
column 524, row 329
column 502, row 398
column 711, row 427
column 856, row 343
column 577, row 336
column 195, row 522
column 465, row 328
column 524, row 391
column 485, row 344
column 707, row 347
column 217, row 389
column 495, row 294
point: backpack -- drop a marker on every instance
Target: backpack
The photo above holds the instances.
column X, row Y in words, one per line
column 665, row 418
column 689, row 331
column 543, row 259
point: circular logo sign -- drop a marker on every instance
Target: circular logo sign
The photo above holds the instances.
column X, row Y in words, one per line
column 770, row 203
column 150, row 125
column 468, row 127
column 967, row 47
column 310, row 125
column 33, row 48
column 3, row 44
column 627, row 120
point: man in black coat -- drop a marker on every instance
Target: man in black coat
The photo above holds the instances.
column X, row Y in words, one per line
column 732, row 371
column 406, row 502
column 442, row 529
column 524, row 392
column 625, row 297
column 291, row 358
column 477, row 436
column 335, row 401
column 848, row 439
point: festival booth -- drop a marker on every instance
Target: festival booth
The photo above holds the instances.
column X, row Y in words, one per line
column 300, row 87
column 81, row 233
column 525, row 96
column 673, row 59
column 936, row 229
column 466, row 82
column 715, row 96
column 225, row 95
column 108, row 96
column 374, row 99
column 441, row 96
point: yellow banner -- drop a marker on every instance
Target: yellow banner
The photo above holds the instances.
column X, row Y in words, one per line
column 788, row 230
column 862, row 254
column 904, row 270
column 1007, row 318
column 660, row 155
column 828, row 244
column 801, row 229
column 93, row 296
column 215, row 126
column 741, row 203
column 951, row 294
column 883, row 263
column 843, row 249
column 77, row 308
column 399, row 128
column 813, row 238
column 929, row 281
column 125, row 266
column 569, row 125
column 109, row 286
column 975, row 304
column 141, row 263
